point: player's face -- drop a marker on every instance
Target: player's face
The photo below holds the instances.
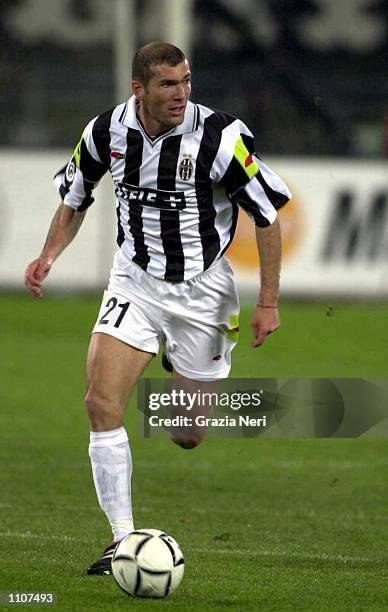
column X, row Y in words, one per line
column 163, row 100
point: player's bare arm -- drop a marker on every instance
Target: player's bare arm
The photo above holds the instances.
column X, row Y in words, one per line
column 64, row 227
column 266, row 318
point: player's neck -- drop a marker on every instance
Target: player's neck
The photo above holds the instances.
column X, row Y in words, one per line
column 152, row 128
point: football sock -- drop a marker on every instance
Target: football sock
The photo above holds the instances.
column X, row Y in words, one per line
column 111, row 460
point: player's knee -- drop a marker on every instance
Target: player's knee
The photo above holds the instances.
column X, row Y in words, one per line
column 188, row 442
column 101, row 412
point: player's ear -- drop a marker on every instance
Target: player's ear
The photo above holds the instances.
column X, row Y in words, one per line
column 138, row 89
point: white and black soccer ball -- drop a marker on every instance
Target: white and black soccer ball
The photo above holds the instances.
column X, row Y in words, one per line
column 148, row 563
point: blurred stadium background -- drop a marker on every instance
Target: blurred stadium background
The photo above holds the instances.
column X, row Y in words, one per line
column 266, row 524
column 308, row 77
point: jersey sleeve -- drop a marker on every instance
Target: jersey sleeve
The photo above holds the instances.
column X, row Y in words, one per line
column 248, row 181
column 89, row 162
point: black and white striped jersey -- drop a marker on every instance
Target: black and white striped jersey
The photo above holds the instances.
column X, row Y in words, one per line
column 177, row 194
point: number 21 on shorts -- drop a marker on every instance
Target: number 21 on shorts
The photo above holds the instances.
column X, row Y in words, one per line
column 114, row 311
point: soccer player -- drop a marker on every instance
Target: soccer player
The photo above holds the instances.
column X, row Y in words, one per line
column 181, row 171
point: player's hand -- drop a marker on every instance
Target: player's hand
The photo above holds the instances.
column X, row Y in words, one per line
column 264, row 321
column 35, row 274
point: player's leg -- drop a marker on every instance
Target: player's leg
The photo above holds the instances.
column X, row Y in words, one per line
column 124, row 340
column 200, row 339
column 196, row 373
column 113, row 369
column 191, row 427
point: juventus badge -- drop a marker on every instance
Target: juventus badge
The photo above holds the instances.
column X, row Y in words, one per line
column 186, row 167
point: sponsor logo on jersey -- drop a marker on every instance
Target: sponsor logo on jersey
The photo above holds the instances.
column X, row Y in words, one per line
column 186, row 167
column 155, row 198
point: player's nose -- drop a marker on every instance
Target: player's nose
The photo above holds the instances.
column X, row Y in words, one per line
column 180, row 92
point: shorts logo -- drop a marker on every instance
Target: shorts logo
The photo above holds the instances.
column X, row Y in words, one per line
column 186, row 167
column 70, row 171
column 117, row 155
column 217, row 358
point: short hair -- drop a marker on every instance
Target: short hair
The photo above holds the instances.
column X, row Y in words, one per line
column 154, row 54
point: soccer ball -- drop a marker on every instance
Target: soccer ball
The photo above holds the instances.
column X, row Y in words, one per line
column 148, row 563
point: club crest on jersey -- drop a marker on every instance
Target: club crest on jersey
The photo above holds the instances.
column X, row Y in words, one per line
column 186, row 167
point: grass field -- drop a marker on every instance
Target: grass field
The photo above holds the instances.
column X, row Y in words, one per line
column 264, row 524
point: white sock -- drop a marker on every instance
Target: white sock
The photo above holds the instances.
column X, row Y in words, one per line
column 111, row 460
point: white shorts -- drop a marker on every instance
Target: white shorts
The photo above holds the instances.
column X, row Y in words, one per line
column 196, row 320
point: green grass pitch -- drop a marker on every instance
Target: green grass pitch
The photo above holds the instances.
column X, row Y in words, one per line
column 264, row 524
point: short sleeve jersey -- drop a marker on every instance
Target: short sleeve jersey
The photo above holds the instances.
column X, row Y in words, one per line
column 177, row 195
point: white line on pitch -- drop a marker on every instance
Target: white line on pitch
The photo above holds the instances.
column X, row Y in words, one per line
column 27, row 535
column 289, row 514
column 214, row 551
column 287, row 554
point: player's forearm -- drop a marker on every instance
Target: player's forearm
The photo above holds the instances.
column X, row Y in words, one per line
column 64, row 227
column 269, row 247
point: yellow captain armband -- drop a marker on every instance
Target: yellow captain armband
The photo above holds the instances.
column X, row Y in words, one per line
column 245, row 159
column 77, row 152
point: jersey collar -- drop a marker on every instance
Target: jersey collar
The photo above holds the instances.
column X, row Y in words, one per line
column 189, row 124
